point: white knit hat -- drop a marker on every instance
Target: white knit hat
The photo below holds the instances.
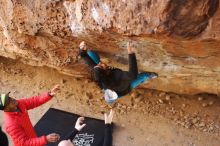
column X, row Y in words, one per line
column 110, row 96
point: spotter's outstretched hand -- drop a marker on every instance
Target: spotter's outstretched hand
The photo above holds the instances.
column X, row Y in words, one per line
column 108, row 118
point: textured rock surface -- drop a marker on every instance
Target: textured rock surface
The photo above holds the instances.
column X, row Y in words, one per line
column 179, row 39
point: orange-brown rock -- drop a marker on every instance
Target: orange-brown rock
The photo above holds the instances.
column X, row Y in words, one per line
column 179, row 39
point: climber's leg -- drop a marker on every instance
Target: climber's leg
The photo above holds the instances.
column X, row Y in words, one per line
column 143, row 77
column 94, row 56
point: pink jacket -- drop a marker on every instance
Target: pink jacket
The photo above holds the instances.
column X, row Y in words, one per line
column 18, row 124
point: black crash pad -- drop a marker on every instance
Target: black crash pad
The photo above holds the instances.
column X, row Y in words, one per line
column 62, row 122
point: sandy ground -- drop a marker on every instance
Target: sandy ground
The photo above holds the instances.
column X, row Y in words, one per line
column 143, row 118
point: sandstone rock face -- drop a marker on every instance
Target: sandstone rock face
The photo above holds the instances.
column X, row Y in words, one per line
column 179, row 39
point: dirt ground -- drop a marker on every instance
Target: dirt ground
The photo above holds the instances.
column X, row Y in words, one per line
column 143, row 118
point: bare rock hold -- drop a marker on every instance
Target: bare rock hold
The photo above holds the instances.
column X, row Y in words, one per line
column 200, row 98
column 204, row 105
column 162, row 94
column 161, row 101
column 167, row 97
column 183, row 105
column 138, row 99
column 211, row 102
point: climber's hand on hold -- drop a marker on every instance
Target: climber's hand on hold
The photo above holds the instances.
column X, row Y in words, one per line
column 82, row 46
column 130, row 48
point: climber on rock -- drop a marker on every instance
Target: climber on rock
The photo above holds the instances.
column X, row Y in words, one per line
column 113, row 81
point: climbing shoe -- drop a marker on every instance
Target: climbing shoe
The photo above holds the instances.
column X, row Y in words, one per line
column 152, row 75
